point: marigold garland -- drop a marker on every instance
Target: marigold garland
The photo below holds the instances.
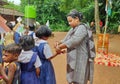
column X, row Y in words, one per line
column 109, row 59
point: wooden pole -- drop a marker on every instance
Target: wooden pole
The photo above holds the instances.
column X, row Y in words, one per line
column 106, row 24
column 97, row 17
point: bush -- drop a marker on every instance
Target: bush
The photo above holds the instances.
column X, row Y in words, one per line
column 113, row 28
column 59, row 27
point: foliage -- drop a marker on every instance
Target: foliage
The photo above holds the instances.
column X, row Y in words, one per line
column 114, row 19
column 59, row 27
column 88, row 12
column 49, row 10
column 12, row 6
column 55, row 11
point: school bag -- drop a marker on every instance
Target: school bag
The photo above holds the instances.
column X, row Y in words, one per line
column 90, row 43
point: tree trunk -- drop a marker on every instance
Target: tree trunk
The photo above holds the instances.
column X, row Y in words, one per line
column 97, row 17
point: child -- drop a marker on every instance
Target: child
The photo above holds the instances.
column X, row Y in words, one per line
column 12, row 74
column 29, row 61
column 31, row 31
column 12, row 36
column 47, row 75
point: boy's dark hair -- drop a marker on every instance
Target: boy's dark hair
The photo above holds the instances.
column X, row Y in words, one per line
column 43, row 31
column 31, row 27
column 27, row 42
column 74, row 13
column 13, row 48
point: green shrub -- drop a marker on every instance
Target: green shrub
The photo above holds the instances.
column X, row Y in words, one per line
column 59, row 27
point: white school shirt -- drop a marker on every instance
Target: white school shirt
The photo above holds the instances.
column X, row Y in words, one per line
column 47, row 50
column 26, row 56
column 30, row 32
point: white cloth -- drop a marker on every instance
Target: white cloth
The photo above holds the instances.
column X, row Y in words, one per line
column 30, row 32
column 26, row 56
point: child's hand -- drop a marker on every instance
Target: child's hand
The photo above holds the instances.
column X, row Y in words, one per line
column 0, row 66
column 61, row 52
column 38, row 72
column 58, row 51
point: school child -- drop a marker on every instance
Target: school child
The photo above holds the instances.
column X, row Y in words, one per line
column 31, row 31
column 47, row 75
column 11, row 72
column 1, row 52
column 12, row 36
column 1, row 47
column 29, row 61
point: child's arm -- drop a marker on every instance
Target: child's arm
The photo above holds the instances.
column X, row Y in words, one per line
column 48, row 53
column 37, row 66
column 2, row 72
column 51, row 57
column 38, row 72
column 11, row 70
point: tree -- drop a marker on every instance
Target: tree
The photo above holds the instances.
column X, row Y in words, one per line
column 113, row 18
column 97, row 17
column 11, row 5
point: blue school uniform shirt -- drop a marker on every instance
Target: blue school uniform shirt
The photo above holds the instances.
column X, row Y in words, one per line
column 16, row 37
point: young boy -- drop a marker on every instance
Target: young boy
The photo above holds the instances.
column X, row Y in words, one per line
column 11, row 72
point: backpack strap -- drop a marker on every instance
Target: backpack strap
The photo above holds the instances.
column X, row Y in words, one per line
column 90, row 42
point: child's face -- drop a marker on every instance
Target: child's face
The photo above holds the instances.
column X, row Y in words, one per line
column 8, row 57
column 45, row 38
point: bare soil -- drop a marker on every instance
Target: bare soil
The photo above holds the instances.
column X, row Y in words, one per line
column 102, row 74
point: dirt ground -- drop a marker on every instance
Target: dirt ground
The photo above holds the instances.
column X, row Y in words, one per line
column 102, row 74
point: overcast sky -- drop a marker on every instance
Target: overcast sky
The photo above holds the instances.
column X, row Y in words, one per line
column 17, row 2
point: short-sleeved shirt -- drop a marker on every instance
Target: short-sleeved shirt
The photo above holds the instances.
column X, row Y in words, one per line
column 47, row 50
column 32, row 33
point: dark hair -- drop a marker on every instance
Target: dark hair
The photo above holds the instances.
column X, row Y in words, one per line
column 27, row 42
column 43, row 31
column 13, row 48
column 31, row 27
column 74, row 13
column 10, row 25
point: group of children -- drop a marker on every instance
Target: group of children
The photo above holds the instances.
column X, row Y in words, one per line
column 29, row 60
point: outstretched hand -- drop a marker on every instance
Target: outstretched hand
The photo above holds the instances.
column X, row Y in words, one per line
column 57, row 49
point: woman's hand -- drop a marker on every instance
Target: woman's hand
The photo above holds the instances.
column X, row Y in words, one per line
column 58, row 47
column 56, row 44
